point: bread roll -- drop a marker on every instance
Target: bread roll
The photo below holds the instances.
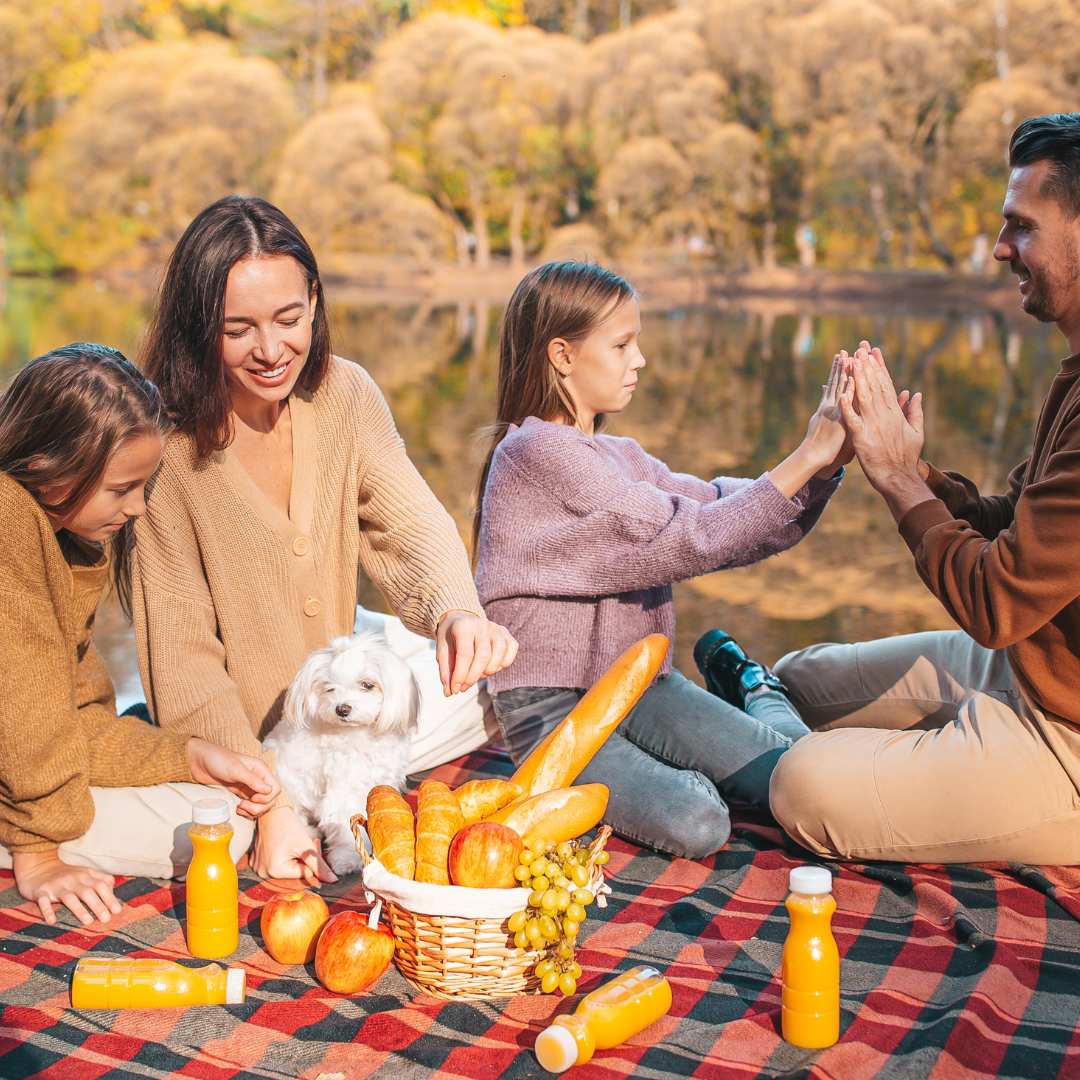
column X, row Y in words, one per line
column 438, row 821
column 390, row 827
column 479, row 798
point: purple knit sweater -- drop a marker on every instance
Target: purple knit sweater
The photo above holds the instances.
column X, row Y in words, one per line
column 582, row 537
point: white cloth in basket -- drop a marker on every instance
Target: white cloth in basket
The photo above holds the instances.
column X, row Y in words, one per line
column 451, row 901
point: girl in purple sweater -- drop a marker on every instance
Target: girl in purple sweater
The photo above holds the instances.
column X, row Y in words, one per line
column 579, row 537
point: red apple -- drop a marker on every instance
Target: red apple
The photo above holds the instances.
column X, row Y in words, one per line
column 484, row 856
column 352, row 954
column 290, row 926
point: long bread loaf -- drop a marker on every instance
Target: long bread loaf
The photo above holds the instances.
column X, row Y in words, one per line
column 478, row 798
column 559, row 759
column 390, row 826
column 554, row 816
column 438, row 821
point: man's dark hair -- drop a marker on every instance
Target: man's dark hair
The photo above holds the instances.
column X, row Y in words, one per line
column 1056, row 139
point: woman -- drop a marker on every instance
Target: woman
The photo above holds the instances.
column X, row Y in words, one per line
column 84, row 793
column 579, row 540
column 285, row 478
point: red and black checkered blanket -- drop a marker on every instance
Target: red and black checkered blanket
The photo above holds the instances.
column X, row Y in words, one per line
column 947, row 971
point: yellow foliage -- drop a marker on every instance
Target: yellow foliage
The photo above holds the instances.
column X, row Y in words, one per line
column 162, row 131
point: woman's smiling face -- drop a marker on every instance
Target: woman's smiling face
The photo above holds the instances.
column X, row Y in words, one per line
column 600, row 371
column 269, row 311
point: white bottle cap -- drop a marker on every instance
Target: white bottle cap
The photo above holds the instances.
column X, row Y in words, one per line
column 235, row 986
column 556, row 1049
column 210, row 812
column 810, row 880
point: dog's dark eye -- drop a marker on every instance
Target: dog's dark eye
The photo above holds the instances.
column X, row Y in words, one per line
column 367, row 686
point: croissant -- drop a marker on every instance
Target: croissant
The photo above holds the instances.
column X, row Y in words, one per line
column 479, row 798
column 390, row 826
column 438, row 821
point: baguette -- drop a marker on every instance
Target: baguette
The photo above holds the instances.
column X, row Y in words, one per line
column 390, row 827
column 438, row 820
column 558, row 760
column 478, row 798
column 554, row 816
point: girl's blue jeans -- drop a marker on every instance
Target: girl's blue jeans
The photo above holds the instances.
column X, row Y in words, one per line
column 673, row 760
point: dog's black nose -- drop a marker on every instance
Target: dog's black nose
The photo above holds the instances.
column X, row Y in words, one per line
column 343, row 711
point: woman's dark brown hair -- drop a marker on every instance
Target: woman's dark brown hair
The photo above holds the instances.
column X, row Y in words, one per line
column 182, row 352
column 63, row 417
column 557, row 300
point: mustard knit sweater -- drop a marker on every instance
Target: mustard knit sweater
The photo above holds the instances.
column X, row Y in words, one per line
column 230, row 595
column 59, row 732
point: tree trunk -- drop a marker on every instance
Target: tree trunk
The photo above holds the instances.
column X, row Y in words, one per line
column 517, row 225
column 480, row 226
column 922, row 203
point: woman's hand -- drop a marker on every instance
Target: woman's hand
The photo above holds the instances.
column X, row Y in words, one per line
column 284, row 849
column 42, row 878
column 468, row 648
column 826, row 446
column 248, row 777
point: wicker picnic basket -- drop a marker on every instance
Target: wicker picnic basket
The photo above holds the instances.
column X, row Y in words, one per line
column 452, row 957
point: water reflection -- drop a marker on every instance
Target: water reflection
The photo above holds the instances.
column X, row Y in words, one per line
column 726, row 390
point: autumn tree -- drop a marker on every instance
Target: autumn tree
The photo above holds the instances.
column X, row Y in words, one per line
column 162, row 131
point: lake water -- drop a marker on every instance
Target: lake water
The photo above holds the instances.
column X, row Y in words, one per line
column 727, row 390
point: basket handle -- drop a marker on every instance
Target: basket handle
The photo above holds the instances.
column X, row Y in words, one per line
column 358, row 822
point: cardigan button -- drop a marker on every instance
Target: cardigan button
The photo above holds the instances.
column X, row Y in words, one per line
column 301, row 545
column 312, row 606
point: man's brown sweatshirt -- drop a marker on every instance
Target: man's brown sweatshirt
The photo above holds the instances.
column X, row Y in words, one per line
column 1007, row 567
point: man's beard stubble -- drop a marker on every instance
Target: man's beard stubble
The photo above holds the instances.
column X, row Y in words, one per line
column 1050, row 296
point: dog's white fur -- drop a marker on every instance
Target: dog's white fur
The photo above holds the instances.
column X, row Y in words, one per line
column 347, row 726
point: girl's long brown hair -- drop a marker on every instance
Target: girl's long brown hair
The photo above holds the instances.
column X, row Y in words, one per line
column 63, row 417
column 557, row 300
column 182, row 351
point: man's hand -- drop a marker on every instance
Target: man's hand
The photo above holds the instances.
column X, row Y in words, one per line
column 248, row 777
column 42, row 878
column 284, row 849
column 468, row 648
column 887, row 432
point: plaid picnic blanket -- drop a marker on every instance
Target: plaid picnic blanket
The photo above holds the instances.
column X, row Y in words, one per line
column 946, row 971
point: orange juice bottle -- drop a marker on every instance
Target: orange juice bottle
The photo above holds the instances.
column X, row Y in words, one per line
column 605, row 1018
column 810, row 1011
column 153, row 984
column 213, row 911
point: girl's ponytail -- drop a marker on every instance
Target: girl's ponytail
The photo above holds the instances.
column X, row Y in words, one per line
column 557, row 300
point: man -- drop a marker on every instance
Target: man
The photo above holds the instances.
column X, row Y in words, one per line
column 964, row 746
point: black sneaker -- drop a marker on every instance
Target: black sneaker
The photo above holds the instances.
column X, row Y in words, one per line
column 729, row 673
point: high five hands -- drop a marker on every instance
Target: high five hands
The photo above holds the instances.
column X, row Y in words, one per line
column 885, row 429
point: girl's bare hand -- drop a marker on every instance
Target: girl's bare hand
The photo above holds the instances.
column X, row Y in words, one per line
column 248, row 777
column 468, row 648
column 42, row 878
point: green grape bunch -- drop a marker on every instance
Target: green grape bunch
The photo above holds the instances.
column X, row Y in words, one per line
column 557, row 881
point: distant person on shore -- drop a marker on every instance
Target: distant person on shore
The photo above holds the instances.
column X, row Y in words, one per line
column 579, row 537
column 84, row 793
column 964, row 746
column 285, row 478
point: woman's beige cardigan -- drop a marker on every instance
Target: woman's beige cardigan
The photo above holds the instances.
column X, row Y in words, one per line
column 230, row 596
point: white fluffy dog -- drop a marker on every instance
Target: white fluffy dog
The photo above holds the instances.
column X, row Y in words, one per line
column 347, row 726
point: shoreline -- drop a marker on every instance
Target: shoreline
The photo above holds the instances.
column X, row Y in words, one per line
column 783, row 290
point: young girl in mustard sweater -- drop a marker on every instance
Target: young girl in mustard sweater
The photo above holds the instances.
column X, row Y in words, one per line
column 84, row 793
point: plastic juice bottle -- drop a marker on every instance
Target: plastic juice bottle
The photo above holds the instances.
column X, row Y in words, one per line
column 153, row 984
column 605, row 1018
column 213, row 912
column 810, row 1011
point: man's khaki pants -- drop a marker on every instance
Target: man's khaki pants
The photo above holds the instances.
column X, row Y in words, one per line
column 923, row 750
